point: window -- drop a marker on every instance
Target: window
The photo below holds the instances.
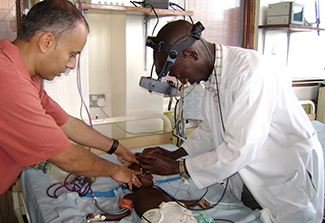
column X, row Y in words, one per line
column 8, row 19
column 222, row 20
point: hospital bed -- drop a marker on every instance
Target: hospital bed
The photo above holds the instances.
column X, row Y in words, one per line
column 70, row 207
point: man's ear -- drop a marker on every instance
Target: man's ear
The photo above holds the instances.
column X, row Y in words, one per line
column 192, row 53
column 46, row 42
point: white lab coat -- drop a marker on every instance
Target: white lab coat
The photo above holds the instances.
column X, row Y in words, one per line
column 269, row 142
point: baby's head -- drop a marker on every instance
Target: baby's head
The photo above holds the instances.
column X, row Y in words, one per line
column 145, row 179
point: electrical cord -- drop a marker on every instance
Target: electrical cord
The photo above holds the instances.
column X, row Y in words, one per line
column 171, row 4
column 153, row 9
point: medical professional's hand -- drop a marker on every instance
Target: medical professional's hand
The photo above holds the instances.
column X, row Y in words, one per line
column 157, row 150
column 157, row 164
column 125, row 175
column 125, row 156
column 166, row 153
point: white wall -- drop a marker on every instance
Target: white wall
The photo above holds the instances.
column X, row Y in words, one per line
column 139, row 61
column 113, row 62
column 306, row 49
column 64, row 89
column 116, row 64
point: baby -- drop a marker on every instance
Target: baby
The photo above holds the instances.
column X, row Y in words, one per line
column 152, row 204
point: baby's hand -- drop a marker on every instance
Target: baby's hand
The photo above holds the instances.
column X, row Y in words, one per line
column 204, row 204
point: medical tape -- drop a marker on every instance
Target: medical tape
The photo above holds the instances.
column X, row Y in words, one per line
column 111, row 193
column 167, row 180
column 126, row 203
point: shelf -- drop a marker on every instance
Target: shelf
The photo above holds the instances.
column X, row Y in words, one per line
column 136, row 10
column 291, row 28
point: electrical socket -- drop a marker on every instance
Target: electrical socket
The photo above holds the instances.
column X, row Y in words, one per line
column 97, row 100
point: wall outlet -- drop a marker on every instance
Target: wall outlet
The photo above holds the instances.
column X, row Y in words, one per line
column 97, row 100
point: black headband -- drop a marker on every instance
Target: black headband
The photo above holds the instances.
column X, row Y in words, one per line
column 173, row 50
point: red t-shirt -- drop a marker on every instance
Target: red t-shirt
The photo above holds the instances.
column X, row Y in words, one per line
column 29, row 118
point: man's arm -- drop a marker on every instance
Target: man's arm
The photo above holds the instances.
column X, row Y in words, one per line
column 80, row 161
column 85, row 135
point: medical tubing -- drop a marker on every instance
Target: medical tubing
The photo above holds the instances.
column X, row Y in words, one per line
column 114, row 212
column 221, row 219
column 80, row 6
column 193, row 209
column 194, row 203
column 72, row 185
column 80, row 92
column 87, row 185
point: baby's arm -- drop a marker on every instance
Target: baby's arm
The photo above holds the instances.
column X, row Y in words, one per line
column 202, row 203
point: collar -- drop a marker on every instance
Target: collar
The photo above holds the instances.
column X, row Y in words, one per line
column 12, row 53
column 211, row 84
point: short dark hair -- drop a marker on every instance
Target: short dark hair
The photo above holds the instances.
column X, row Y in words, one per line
column 173, row 31
column 59, row 17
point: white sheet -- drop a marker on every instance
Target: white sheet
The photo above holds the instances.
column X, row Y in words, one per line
column 71, row 208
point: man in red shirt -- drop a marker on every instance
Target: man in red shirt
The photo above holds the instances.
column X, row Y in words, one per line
column 33, row 127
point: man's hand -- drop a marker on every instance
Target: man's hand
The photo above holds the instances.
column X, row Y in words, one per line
column 80, row 161
column 153, row 163
column 125, row 156
column 126, row 175
column 157, row 150
column 166, row 153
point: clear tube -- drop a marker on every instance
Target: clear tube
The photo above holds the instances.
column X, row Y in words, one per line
column 56, row 173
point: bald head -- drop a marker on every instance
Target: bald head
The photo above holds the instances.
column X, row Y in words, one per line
column 194, row 58
column 173, row 31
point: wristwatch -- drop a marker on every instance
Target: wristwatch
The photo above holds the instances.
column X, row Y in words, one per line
column 182, row 173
